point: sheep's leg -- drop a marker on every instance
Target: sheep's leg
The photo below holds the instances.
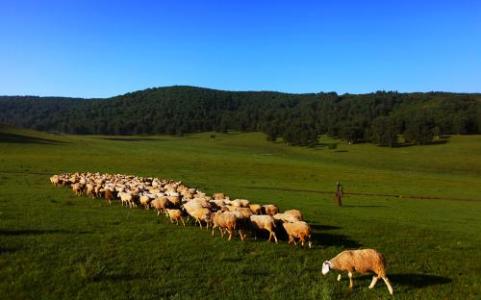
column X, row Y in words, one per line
column 374, row 281
column 241, row 235
column 351, row 283
column 182, row 220
column 290, row 240
column 230, row 234
column 339, row 277
column 388, row 284
column 275, row 237
column 213, row 230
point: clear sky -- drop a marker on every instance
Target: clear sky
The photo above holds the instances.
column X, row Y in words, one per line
column 102, row 48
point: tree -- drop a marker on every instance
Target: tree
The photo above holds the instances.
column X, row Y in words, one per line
column 384, row 131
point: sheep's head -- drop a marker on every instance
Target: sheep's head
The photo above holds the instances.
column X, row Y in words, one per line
column 326, row 267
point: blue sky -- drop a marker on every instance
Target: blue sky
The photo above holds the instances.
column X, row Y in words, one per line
column 105, row 48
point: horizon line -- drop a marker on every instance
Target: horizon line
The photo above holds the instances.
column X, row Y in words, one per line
column 246, row 91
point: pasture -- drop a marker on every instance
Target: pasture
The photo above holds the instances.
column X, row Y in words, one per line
column 420, row 206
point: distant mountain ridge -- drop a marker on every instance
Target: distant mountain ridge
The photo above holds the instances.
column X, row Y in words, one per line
column 298, row 118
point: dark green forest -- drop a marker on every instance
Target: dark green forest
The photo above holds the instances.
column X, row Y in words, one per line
column 382, row 118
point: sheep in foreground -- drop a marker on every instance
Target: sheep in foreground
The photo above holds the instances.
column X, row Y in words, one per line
column 298, row 230
column 361, row 261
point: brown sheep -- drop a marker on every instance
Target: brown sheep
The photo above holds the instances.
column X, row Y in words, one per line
column 361, row 261
column 264, row 222
column 109, row 196
column 298, row 230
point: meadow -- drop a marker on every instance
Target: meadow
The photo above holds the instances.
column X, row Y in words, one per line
column 419, row 205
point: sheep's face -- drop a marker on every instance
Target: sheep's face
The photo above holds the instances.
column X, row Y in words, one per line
column 326, row 266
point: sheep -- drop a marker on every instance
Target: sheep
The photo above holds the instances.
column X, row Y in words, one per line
column 361, row 261
column 127, row 199
column 283, row 217
column 270, row 209
column 89, row 189
column 256, row 209
column 218, row 196
column 224, row 220
column 108, row 195
column 175, row 215
column 264, row 222
column 295, row 213
column 201, row 214
column 145, row 201
column 243, row 215
column 55, row 180
column 174, row 200
column 160, row 204
column 77, row 189
column 300, row 230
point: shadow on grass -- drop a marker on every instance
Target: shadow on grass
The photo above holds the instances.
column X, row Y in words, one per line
column 323, row 227
column 19, row 232
column 24, row 139
column 338, row 240
column 413, row 280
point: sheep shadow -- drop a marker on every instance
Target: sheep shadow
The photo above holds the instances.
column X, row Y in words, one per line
column 324, row 227
column 337, row 240
column 413, row 280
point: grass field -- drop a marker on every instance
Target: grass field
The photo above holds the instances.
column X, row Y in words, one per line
column 54, row 245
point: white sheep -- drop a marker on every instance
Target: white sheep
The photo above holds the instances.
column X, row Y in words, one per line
column 361, row 261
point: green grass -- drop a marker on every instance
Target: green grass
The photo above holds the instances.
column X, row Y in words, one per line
column 54, row 245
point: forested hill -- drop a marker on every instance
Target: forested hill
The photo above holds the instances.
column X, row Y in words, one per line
column 380, row 118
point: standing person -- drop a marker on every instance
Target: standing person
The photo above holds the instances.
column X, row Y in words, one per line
column 339, row 192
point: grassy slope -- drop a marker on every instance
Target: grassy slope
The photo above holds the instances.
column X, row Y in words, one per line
column 55, row 245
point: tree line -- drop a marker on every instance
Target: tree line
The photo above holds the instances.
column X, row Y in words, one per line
column 382, row 118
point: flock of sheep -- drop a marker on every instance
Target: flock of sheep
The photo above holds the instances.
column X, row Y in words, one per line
column 176, row 201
